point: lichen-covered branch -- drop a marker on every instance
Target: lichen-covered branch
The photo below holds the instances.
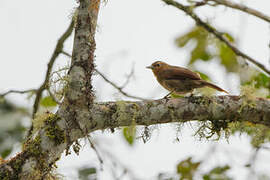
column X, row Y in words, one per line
column 51, row 140
column 222, row 109
column 58, row 131
column 188, row 10
column 243, row 8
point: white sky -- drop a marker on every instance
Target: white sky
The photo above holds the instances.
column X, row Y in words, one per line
column 129, row 32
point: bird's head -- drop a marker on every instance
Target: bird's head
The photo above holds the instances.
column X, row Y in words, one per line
column 157, row 66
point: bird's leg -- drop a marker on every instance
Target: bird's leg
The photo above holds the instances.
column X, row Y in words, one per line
column 167, row 96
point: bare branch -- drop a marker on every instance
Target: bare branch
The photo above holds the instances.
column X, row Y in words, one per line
column 58, row 49
column 243, row 8
column 66, row 54
column 216, row 33
column 117, row 87
column 18, row 91
column 129, row 76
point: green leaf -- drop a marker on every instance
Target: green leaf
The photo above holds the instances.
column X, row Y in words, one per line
column 187, row 169
column 204, row 76
column 87, row 173
column 5, row 152
column 11, row 128
column 227, row 57
column 229, row 37
column 129, row 134
column 204, row 42
column 200, row 51
column 261, row 80
column 48, row 102
column 217, row 173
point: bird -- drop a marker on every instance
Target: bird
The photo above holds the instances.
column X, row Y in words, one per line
column 179, row 80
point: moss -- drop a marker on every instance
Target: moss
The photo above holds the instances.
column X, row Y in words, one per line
column 31, row 149
column 53, row 131
column 38, row 121
column 34, row 146
column 203, row 100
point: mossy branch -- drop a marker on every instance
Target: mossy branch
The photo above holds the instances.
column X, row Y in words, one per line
column 51, row 140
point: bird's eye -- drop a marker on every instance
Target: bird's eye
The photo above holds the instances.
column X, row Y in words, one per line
column 157, row 65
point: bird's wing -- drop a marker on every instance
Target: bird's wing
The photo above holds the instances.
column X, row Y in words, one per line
column 180, row 73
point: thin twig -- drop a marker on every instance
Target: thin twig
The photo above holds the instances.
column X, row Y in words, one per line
column 96, row 151
column 216, row 33
column 58, row 49
column 129, row 76
column 243, row 8
column 53, row 96
column 113, row 84
column 65, row 53
column 117, row 87
column 18, row 92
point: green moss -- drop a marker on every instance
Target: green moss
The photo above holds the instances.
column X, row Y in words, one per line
column 52, row 129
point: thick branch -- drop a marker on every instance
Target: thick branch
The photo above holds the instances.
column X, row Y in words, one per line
column 243, row 8
column 217, row 109
column 221, row 108
column 219, row 35
column 59, row 131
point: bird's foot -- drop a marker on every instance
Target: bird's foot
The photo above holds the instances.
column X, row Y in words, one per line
column 167, row 97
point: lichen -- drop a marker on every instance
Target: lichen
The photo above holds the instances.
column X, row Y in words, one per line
column 53, row 131
column 38, row 121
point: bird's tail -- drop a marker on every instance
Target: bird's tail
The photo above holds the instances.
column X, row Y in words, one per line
column 214, row 86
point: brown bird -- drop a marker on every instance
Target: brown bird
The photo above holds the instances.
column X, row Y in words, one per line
column 179, row 80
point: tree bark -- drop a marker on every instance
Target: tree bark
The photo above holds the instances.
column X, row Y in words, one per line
column 220, row 110
column 45, row 147
column 79, row 115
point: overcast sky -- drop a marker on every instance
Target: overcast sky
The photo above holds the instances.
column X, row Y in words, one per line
column 130, row 32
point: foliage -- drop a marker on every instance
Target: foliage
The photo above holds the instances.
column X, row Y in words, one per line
column 217, row 173
column 259, row 134
column 87, row 173
column 186, row 169
column 189, row 169
column 207, row 48
column 11, row 126
column 129, row 134
column 48, row 102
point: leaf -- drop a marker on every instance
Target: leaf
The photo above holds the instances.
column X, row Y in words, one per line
column 48, row 102
column 200, row 51
column 5, row 152
column 229, row 37
column 227, row 57
column 204, row 76
column 129, row 134
column 261, row 80
column 84, row 173
column 11, row 128
column 187, row 168
column 204, row 42
column 217, row 173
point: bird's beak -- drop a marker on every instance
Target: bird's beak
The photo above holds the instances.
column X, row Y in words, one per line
column 149, row 67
